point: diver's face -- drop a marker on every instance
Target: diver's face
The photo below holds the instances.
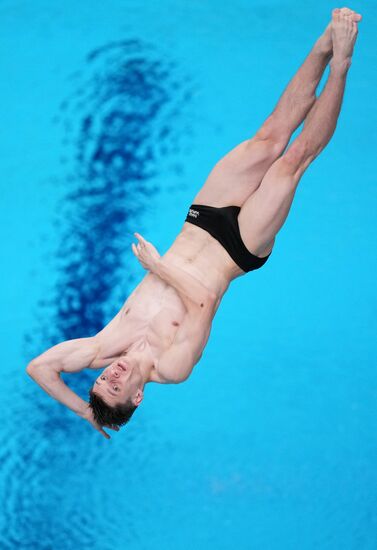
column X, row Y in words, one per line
column 120, row 382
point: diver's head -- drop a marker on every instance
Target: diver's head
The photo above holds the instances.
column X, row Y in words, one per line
column 117, row 392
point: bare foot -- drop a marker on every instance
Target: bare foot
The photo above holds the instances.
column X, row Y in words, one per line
column 324, row 42
column 350, row 13
column 344, row 34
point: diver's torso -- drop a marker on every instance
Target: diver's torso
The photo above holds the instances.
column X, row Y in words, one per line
column 154, row 311
column 148, row 319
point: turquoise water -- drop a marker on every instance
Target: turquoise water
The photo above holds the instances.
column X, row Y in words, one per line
column 113, row 115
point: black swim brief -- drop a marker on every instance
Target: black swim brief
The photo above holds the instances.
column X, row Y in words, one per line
column 222, row 224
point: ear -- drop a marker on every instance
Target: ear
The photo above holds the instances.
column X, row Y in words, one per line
column 138, row 398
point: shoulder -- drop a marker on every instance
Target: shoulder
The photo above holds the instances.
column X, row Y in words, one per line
column 176, row 364
column 155, row 376
column 167, row 376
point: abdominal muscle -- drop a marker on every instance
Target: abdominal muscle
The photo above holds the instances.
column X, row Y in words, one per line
column 154, row 311
column 203, row 257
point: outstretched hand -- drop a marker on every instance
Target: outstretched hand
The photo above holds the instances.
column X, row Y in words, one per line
column 145, row 252
column 88, row 415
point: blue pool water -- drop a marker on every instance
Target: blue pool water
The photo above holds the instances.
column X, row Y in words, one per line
column 113, row 115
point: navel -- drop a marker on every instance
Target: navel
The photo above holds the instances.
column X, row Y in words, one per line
column 175, row 323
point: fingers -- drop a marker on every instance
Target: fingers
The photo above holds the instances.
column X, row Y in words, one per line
column 104, row 433
column 137, row 251
column 109, row 427
column 141, row 239
column 136, row 248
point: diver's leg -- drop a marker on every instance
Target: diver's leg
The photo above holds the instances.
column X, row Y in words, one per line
column 265, row 211
column 299, row 97
column 236, row 175
column 239, row 173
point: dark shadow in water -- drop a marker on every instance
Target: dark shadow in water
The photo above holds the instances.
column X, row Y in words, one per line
column 125, row 115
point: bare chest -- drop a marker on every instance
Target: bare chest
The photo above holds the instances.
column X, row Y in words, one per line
column 155, row 313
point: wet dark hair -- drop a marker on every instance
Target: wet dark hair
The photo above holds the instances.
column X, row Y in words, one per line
column 105, row 414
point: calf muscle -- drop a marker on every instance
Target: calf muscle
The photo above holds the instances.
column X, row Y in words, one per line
column 321, row 122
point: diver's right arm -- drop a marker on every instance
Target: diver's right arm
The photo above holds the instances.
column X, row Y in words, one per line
column 193, row 293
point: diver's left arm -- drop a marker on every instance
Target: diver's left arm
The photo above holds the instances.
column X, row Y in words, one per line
column 70, row 356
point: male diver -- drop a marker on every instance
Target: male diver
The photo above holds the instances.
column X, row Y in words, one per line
column 161, row 330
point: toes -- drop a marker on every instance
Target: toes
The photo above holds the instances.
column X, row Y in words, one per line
column 354, row 16
column 350, row 13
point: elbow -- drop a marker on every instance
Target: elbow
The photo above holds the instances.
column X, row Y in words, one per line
column 40, row 371
column 33, row 367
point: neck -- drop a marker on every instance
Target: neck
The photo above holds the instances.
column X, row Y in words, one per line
column 139, row 350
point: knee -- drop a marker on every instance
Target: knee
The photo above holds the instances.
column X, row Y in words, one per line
column 297, row 157
column 289, row 168
column 251, row 155
column 274, row 133
column 267, row 149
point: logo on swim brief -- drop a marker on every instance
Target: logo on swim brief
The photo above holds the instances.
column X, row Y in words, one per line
column 193, row 213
